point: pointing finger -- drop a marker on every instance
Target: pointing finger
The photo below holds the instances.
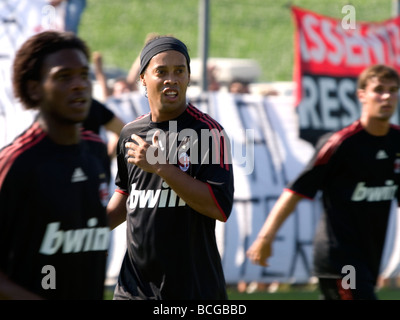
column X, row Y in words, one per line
column 138, row 139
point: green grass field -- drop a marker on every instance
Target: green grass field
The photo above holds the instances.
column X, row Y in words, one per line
column 253, row 29
column 287, row 292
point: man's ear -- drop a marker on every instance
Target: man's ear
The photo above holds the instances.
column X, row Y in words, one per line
column 361, row 95
column 34, row 90
column 142, row 80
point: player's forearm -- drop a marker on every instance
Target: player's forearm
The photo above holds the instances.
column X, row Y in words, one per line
column 116, row 210
column 133, row 74
column 283, row 207
column 195, row 193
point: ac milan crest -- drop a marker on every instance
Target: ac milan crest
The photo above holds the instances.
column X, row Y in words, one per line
column 397, row 166
column 184, row 161
column 103, row 193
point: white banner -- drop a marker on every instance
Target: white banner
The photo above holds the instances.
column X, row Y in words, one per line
column 20, row 19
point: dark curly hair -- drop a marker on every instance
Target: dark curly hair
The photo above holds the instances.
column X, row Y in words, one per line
column 30, row 56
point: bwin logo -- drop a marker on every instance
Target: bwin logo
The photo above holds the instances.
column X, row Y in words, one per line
column 372, row 194
column 72, row 241
column 149, row 198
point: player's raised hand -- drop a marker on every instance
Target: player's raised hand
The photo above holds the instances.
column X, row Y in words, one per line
column 143, row 155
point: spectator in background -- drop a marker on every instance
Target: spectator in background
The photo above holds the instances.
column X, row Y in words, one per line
column 120, row 85
column 269, row 91
column 73, row 13
column 212, row 84
column 239, row 86
column 133, row 75
column 100, row 76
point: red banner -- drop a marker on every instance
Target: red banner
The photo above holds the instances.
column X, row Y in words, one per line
column 329, row 55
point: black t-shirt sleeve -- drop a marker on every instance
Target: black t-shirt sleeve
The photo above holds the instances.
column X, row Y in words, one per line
column 13, row 196
column 312, row 178
column 121, row 178
column 98, row 116
column 217, row 172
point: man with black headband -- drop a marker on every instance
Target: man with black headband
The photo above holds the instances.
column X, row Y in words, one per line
column 174, row 181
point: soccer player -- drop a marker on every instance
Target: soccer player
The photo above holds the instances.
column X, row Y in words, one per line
column 53, row 179
column 357, row 169
column 174, row 181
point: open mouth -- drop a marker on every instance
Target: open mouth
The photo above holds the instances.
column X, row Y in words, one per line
column 170, row 93
column 79, row 102
column 386, row 107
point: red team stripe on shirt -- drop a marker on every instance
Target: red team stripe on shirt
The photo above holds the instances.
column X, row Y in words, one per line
column 218, row 139
column 223, row 148
column 345, row 294
column 91, row 136
column 122, row 192
column 216, row 202
column 8, row 155
column 334, row 141
column 299, row 194
column 28, row 139
column 140, row 117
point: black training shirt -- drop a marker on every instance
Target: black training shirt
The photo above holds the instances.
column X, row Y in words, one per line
column 52, row 214
column 358, row 175
column 171, row 248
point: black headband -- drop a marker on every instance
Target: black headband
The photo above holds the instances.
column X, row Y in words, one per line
column 159, row 45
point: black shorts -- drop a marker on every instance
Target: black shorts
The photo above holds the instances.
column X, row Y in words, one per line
column 332, row 289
